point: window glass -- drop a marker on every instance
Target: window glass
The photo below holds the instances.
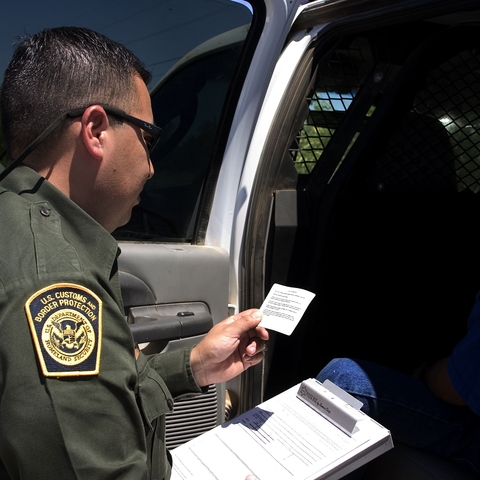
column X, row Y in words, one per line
column 188, row 104
column 192, row 48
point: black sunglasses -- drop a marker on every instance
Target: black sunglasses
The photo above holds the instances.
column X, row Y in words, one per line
column 151, row 139
column 152, row 130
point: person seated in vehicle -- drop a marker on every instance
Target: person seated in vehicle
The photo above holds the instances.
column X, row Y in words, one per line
column 437, row 409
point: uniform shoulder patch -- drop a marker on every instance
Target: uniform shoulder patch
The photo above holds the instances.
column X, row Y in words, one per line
column 66, row 324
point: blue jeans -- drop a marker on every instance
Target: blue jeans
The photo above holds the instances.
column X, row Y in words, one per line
column 414, row 415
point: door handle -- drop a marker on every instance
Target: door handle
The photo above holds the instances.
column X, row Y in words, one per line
column 149, row 328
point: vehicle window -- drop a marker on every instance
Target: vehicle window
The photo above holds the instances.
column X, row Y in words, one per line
column 188, row 104
column 192, row 48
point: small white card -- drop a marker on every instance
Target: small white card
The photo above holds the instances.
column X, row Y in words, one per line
column 283, row 308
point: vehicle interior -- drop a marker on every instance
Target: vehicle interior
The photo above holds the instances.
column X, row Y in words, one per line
column 391, row 201
column 375, row 202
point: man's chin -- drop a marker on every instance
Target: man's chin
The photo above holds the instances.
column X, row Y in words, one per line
column 122, row 222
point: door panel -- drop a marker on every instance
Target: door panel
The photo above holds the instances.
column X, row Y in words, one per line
column 179, row 273
column 173, row 294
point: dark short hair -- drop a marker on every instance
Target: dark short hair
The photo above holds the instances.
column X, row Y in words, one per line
column 58, row 69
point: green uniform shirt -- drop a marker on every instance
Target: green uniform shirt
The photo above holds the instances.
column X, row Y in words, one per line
column 74, row 403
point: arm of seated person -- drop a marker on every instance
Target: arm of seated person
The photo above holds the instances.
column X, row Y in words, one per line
column 438, row 381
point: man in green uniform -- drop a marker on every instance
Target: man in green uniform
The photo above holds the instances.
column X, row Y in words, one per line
column 77, row 401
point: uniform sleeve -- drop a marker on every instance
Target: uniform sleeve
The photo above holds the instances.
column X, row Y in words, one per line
column 162, row 377
column 175, row 369
column 464, row 363
column 69, row 391
column 69, row 427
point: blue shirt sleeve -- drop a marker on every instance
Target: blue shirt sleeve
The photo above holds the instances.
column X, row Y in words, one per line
column 464, row 363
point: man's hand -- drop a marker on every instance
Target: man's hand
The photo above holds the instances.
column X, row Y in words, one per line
column 229, row 348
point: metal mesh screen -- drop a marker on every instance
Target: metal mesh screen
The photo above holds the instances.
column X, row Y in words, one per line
column 335, row 89
column 437, row 144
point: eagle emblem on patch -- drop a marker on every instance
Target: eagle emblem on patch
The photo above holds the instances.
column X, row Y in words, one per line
column 66, row 324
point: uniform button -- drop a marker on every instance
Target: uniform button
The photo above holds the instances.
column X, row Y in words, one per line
column 45, row 211
column 170, row 403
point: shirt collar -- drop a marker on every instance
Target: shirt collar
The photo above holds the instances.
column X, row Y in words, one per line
column 89, row 233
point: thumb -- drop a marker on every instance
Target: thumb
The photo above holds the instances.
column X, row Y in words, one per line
column 251, row 477
column 249, row 320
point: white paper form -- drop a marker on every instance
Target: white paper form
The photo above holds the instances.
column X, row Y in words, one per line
column 283, row 308
column 281, row 439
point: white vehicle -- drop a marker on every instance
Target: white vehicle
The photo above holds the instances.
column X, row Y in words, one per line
column 328, row 145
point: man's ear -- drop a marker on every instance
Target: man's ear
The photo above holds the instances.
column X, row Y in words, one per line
column 95, row 133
